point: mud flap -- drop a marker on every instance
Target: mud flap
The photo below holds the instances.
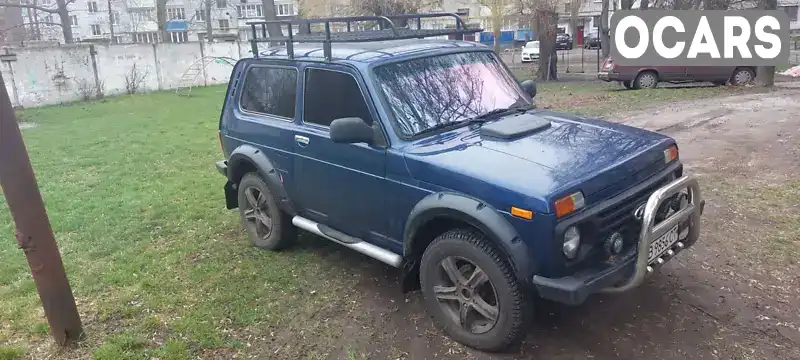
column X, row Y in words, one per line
column 231, row 196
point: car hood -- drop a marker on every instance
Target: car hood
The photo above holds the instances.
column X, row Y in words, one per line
column 596, row 157
column 530, row 51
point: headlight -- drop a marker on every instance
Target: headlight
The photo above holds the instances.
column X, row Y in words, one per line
column 569, row 204
column 572, row 241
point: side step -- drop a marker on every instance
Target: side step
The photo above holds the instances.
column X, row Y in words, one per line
column 359, row 245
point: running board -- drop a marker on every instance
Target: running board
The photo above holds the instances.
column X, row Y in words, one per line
column 356, row 244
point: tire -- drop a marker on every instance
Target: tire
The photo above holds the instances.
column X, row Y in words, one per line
column 646, row 80
column 627, row 84
column 742, row 76
column 275, row 234
column 500, row 293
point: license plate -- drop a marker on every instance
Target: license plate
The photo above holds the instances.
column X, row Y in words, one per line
column 662, row 244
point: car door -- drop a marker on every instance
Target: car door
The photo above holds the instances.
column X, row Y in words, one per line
column 266, row 113
column 671, row 73
column 710, row 73
column 339, row 185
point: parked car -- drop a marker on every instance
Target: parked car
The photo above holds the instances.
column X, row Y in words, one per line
column 530, row 51
column 563, row 42
column 591, row 41
column 648, row 77
column 429, row 156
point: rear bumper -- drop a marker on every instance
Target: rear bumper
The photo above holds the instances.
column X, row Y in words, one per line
column 222, row 167
column 608, row 76
column 629, row 271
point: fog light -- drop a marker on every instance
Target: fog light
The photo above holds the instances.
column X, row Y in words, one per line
column 614, row 243
column 572, row 241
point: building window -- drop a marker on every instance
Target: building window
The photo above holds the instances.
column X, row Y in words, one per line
column 200, row 15
column 92, row 6
column 46, row 2
column 285, row 9
column 142, row 14
column 176, row 14
column 221, row 4
column 224, row 25
column 791, row 11
column 145, row 38
column 96, row 30
column 596, row 21
column 178, row 36
column 114, row 17
column 73, row 19
column 249, row 11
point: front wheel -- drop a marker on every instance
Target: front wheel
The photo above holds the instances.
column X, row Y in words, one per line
column 742, row 76
column 471, row 291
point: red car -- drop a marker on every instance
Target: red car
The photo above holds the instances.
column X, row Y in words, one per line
column 648, row 77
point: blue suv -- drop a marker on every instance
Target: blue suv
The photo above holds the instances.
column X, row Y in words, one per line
column 428, row 155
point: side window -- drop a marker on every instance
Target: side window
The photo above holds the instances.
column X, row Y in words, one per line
column 331, row 95
column 270, row 90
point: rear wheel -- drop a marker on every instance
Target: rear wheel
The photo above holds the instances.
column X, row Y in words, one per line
column 267, row 226
column 646, row 80
column 471, row 291
column 742, row 76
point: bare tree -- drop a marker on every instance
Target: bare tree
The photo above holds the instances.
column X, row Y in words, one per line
column 60, row 10
column 605, row 39
column 545, row 26
column 274, row 30
column 498, row 11
column 161, row 19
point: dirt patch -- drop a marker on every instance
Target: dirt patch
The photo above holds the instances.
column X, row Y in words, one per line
column 721, row 300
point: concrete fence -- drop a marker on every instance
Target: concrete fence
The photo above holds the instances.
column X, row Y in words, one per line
column 37, row 76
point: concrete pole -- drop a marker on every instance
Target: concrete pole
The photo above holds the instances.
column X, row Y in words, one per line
column 33, row 231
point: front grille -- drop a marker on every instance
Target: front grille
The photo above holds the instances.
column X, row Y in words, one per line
column 613, row 217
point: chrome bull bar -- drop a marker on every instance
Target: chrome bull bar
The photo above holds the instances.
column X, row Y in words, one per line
column 651, row 232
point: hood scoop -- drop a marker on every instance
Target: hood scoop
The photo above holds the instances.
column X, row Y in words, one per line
column 516, row 126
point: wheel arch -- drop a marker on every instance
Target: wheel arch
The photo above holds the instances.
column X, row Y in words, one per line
column 247, row 158
column 443, row 211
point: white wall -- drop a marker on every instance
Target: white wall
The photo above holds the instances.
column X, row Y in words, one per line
column 55, row 75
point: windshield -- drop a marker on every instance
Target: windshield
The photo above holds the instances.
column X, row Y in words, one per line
column 434, row 91
column 532, row 45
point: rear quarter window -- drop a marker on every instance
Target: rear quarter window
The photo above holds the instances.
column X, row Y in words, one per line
column 270, row 90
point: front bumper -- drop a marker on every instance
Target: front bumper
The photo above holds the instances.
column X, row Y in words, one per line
column 630, row 270
column 530, row 57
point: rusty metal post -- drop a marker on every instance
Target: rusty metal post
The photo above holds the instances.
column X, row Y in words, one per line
column 33, row 231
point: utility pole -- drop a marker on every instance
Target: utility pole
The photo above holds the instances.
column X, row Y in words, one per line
column 111, row 21
column 33, row 231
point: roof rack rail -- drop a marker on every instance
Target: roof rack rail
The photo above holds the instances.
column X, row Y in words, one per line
column 387, row 29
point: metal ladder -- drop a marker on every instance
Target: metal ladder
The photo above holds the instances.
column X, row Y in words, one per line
column 197, row 68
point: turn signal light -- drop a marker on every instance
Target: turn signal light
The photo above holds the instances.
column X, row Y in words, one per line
column 521, row 213
column 569, row 204
column 670, row 154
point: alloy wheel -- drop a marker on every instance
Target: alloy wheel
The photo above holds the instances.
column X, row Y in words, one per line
column 257, row 212
column 466, row 295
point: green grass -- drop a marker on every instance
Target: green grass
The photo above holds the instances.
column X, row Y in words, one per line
column 158, row 267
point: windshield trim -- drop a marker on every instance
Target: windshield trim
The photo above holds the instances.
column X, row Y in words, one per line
column 387, row 109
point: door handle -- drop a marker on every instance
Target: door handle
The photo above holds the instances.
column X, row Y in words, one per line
column 301, row 140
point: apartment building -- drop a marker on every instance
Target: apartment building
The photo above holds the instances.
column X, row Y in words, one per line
column 134, row 21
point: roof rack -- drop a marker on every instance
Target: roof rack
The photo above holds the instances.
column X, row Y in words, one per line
column 387, row 29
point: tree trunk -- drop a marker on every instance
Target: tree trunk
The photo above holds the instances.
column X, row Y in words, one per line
column 274, row 30
column 66, row 24
column 644, row 5
column 765, row 75
column 605, row 39
column 497, row 27
column 696, row 4
column 209, row 25
column 161, row 19
column 111, row 21
column 626, row 4
column 547, row 21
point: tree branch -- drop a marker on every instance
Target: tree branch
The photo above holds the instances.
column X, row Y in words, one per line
column 21, row 25
column 29, row 6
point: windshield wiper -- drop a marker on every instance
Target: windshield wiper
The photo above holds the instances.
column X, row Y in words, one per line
column 438, row 127
column 482, row 118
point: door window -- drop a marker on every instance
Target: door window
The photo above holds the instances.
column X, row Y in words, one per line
column 270, row 90
column 331, row 95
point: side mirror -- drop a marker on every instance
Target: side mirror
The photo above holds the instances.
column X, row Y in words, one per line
column 351, row 130
column 529, row 86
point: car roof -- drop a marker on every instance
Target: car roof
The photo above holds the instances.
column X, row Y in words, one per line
column 369, row 52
